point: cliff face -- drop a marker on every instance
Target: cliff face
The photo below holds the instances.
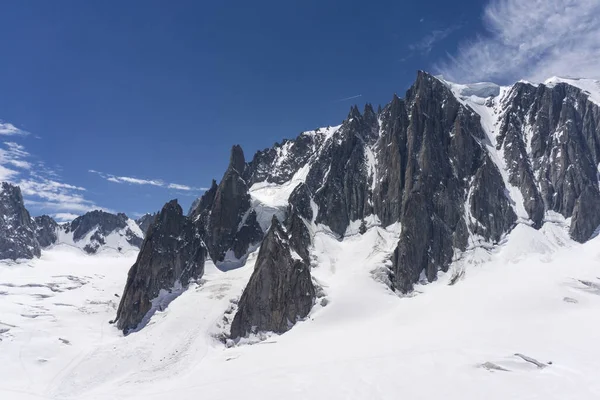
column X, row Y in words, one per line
column 17, row 229
column 172, row 254
column 224, row 216
column 280, row 290
column 550, row 136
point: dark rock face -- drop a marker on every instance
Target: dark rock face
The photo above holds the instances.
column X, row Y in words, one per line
column 339, row 178
column 145, row 221
column 279, row 163
column 442, row 153
column 17, row 228
column 392, row 156
column 205, row 202
column 250, row 233
column 551, row 142
column 222, row 209
column 172, row 253
column 488, row 194
column 300, row 202
column 46, row 230
column 104, row 223
column 280, row 290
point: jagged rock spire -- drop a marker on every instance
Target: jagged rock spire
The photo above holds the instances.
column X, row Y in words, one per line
column 280, row 290
column 172, row 254
column 354, row 113
column 17, row 229
column 237, row 160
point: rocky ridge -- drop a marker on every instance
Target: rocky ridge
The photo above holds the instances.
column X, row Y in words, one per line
column 172, row 255
column 23, row 237
column 456, row 166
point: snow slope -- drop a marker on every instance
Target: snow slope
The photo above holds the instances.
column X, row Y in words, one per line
column 589, row 86
column 538, row 294
column 114, row 242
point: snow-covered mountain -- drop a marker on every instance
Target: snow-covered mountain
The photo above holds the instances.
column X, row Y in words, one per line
column 448, row 237
column 98, row 230
column 23, row 237
column 455, row 167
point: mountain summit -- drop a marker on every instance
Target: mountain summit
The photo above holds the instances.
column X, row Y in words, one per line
column 454, row 167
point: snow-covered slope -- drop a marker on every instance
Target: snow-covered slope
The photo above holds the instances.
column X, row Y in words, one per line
column 590, row 86
column 538, row 295
column 386, row 199
column 119, row 240
column 98, row 231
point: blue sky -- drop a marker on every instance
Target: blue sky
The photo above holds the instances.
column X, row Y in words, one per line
column 151, row 95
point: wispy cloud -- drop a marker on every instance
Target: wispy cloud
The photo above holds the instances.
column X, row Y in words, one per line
column 14, row 155
column 151, row 182
column 426, row 44
column 530, row 39
column 8, row 129
column 349, row 98
column 42, row 188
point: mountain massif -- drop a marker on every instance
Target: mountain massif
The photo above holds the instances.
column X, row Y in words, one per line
column 454, row 167
column 23, row 237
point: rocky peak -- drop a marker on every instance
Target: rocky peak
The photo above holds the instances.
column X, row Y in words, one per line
column 145, row 221
column 223, row 223
column 172, row 255
column 550, row 138
column 204, row 202
column 17, row 228
column 237, row 160
column 46, row 230
column 354, row 113
column 92, row 229
column 280, row 290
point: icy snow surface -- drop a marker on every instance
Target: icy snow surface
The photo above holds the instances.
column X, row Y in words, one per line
column 590, row 86
column 538, row 295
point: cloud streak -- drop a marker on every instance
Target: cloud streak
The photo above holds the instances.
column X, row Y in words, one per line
column 349, row 98
column 426, row 44
column 150, row 182
column 8, row 129
column 42, row 188
column 530, row 39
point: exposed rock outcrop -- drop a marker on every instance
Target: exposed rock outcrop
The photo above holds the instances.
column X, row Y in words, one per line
column 224, row 216
column 550, row 136
column 145, row 221
column 46, row 230
column 96, row 225
column 17, row 228
column 172, row 254
column 280, row 290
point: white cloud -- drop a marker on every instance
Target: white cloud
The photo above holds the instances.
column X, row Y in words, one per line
column 9, row 129
column 6, row 174
column 151, row 182
column 14, row 154
column 530, row 39
column 75, row 206
column 41, row 187
column 179, row 187
column 426, row 44
column 64, row 217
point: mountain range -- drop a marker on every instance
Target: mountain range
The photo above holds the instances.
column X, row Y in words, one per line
column 24, row 237
column 450, row 168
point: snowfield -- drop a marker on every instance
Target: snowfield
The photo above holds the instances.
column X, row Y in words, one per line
column 537, row 295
